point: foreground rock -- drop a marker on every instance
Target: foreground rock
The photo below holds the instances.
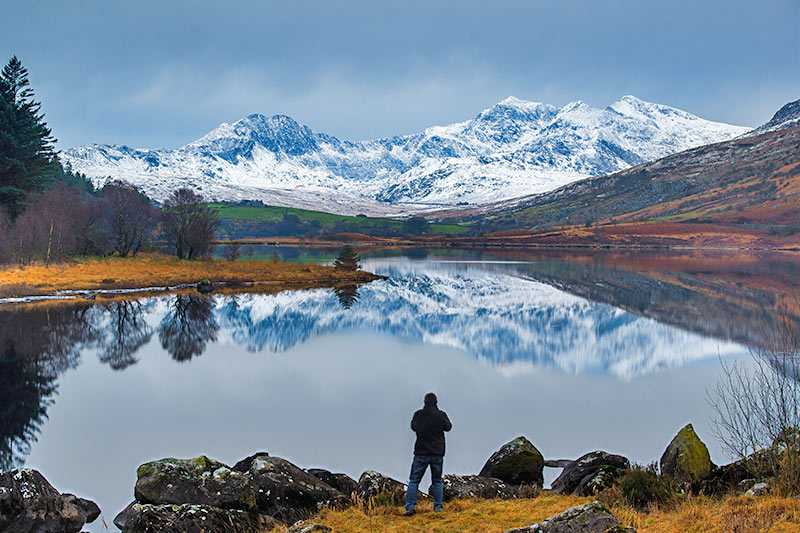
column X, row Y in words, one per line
column 341, row 482
column 376, row 488
column 726, row 479
column 30, row 504
column 589, row 518
column 148, row 518
column 459, row 487
column 289, row 493
column 199, row 481
column 181, row 494
column 686, row 459
column 590, row 474
column 517, row 462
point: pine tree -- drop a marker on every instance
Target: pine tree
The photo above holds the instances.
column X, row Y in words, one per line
column 348, row 259
column 27, row 148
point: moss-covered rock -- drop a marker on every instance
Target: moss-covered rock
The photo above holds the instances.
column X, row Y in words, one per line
column 200, row 481
column 686, row 459
column 517, row 462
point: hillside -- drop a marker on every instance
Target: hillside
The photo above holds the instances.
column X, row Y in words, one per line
column 509, row 150
column 252, row 220
column 749, row 186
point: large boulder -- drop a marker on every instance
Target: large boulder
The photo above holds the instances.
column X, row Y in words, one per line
column 148, row 518
column 289, row 493
column 459, row 487
column 686, row 459
column 590, row 474
column 30, row 504
column 341, row 482
column 377, row 488
column 589, row 518
column 517, row 462
column 198, row 481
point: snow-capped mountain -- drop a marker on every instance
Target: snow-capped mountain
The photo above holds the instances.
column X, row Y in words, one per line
column 512, row 149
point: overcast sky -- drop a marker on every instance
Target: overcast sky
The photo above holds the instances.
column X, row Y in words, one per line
column 163, row 73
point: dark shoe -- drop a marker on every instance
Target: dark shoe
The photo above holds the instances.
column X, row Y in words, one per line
column 438, row 509
column 409, row 512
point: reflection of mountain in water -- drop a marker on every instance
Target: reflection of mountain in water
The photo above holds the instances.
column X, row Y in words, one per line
column 495, row 316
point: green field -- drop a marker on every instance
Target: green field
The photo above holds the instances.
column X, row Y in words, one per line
column 328, row 222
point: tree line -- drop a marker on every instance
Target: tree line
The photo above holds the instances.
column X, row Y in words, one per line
column 48, row 212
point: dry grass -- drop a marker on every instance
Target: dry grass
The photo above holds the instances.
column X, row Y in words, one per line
column 735, row 514
column 149, row 270
column 730, row 515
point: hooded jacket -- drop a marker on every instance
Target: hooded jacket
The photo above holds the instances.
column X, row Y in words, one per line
column 430, row 423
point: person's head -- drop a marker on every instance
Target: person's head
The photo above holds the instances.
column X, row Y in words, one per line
column 430, row 400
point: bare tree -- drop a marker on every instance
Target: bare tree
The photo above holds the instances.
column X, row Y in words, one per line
column 56, row 223
column 131, row 217
column 189, row 224
column 757, row 406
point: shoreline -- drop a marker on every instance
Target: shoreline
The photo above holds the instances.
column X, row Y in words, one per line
column 115, row 277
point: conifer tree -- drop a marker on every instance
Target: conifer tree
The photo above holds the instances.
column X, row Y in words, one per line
column 27, row 148
column 347, row 259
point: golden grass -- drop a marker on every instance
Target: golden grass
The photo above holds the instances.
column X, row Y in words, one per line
column 460, row 516
column 149, row 270
column 738, row 514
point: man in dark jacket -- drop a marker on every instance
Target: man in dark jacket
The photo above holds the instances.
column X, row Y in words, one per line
column 429, row 423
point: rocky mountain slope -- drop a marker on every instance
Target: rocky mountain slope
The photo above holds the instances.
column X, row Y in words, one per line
column 751, row 180
column 511, row 149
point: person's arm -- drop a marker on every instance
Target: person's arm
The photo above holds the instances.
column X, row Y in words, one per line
column 446, row 424
column 415, row 422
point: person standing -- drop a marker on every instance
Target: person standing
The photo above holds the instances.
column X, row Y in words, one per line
column 430, row 424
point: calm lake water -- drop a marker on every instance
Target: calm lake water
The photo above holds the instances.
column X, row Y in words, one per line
column 576, row 351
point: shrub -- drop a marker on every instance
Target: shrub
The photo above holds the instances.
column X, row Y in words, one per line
column 642, row 488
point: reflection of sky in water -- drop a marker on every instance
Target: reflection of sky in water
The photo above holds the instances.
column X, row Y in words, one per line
column 300, row 376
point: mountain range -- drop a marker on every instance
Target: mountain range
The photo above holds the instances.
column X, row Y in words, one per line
column 512, row 149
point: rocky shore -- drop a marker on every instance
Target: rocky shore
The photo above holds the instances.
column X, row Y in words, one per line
column 263, row 493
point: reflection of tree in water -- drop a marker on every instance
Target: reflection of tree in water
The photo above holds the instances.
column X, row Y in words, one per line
column 126, row 331
column 347, row 295
column 36, row 346
column 188, row 326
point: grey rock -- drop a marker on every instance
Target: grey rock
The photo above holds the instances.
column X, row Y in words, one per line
column 758, row 489
column 517, row 462
column 305, row 527
column 375, row 487
column 589, row 518
column 30, row 504
column 590, row 474
column 459, row 487
column 148, row 518
column 341, row 482
column 289, row 493
column 199, row 481
column 244, row 464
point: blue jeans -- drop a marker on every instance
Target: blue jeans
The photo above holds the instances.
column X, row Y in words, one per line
column 418, row 467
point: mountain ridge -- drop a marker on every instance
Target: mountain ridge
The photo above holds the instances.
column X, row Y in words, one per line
column 510, row 149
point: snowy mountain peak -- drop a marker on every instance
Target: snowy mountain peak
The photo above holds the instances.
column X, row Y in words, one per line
column 513, row 148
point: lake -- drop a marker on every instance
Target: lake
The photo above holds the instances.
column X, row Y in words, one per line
column 576, row 350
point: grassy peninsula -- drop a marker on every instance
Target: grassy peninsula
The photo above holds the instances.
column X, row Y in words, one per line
column 158, row 270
